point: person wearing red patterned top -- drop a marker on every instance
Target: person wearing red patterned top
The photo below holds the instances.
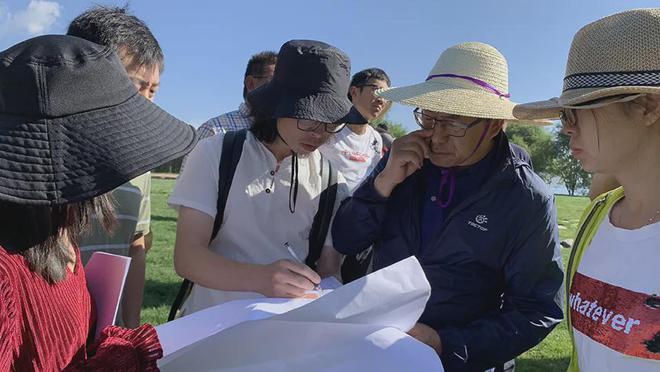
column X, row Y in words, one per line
column 68, row 116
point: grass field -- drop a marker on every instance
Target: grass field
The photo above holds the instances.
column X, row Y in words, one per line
column 162, row 283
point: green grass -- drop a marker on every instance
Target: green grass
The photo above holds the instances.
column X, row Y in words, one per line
column 162, row 283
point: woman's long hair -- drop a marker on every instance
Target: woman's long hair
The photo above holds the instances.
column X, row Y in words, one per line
column 43, row 234
column 264, row 126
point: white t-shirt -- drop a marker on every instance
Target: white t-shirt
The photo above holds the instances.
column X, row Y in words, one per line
column 355, row 156
column 257, row 221
column 613, row 308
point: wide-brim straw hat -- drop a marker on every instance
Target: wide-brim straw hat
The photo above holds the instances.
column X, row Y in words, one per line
column 469, row 79
column 73, row 126
column 613, row 59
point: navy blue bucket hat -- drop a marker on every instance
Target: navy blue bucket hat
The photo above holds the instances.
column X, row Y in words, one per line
column 311, row 81
column 73, row 126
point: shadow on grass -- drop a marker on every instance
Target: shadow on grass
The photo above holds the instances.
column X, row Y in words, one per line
column 542, row 365
column 163, row 218
column 158, row 293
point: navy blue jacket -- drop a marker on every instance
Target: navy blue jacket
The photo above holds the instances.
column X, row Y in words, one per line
column 494, row 263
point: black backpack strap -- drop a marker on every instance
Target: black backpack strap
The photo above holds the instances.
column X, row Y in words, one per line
column 232, row 147
column 323, row 217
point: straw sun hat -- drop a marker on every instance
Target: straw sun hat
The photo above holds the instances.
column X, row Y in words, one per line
column 469, row 79
column 613, row 59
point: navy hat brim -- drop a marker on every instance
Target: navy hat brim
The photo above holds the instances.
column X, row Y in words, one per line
column 322, row 107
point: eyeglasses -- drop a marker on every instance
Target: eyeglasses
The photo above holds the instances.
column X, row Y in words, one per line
column 313, row 125
column 269, row 77
column 454, row 128
column 373, row 88
column 568, row 118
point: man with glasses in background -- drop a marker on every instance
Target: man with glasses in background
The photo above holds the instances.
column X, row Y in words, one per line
column 259, row 70
column 481, row 223
column 356, row 151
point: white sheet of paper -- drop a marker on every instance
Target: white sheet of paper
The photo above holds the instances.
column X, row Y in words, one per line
column 273, row 345
column 187, row 330
column 106, row 274
column 392, row 297
column 355, row 327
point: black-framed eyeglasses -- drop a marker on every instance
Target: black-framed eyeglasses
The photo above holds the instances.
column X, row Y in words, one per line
column 373, row 88
column 313, row 125
column 454, row 128
column 568, row 118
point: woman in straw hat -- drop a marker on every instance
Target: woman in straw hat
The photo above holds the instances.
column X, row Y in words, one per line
column 68, row 114
column 610, row 107
column 478, row 219
column 264, row 245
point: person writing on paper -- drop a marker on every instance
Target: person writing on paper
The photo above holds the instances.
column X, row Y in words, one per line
column 481, row 223
column 63, row 153
column 613, row 120
column 275, row 190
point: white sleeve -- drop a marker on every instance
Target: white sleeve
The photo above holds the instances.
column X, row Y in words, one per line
column 197, row 185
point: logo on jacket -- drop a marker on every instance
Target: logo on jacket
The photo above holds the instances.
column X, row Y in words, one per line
column 479, row 220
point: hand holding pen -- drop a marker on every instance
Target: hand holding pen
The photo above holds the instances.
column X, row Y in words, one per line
column 286, row 278
column 298, row 259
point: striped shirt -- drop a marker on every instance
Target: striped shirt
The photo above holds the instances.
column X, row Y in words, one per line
column 133, row 211
column 234, row 120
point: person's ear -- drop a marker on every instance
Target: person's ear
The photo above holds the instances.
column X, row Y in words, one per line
column 495, row 127
column 651, row 105
column 249, row 83
column 353, row 91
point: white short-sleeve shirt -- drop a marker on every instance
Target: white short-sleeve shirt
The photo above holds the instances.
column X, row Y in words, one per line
column 257, row 221
column 354, row 155
column 614, row 300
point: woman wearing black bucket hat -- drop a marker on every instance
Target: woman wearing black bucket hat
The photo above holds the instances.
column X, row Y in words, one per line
column 266, row 227
column 69, row 116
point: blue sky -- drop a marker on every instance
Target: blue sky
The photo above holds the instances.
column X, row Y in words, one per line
column 207, row 43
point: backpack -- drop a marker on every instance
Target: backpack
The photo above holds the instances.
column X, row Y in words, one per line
column 232, row 147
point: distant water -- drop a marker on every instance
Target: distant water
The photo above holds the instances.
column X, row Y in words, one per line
column 558, row 188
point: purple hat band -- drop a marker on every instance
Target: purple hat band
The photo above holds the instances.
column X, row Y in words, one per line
column 481, row 83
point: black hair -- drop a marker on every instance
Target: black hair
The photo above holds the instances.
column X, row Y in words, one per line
column 43, row 234
column 257, row 64
column 127, row 34
column 264, row 126
column 363, row 77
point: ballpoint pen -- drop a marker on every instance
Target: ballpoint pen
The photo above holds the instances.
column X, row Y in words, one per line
column 295, row 256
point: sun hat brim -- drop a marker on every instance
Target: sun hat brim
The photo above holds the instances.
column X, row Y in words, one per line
column 78, row 157
column 322, row 107
column 447, row 98
column 576, row 98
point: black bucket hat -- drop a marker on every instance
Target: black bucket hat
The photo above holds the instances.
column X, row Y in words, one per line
column 311, row 81
column 72, row 125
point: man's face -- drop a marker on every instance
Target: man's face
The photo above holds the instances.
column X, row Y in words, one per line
column 146, row 80
column 260, row 78
column 460, row 147
column 367, row 103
